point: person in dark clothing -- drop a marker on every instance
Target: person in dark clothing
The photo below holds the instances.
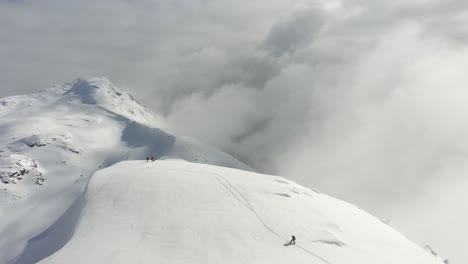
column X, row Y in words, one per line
column 152, row 158
column 147, row 159
column 293, row 240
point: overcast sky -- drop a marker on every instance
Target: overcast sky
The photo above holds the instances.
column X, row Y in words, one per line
column 365, row 100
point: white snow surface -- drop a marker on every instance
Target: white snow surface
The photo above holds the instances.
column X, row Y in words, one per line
column 76, row 188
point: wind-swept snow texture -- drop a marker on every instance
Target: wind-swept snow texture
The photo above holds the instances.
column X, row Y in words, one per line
column 180, row 212
column 76, row 188
column 51, row 142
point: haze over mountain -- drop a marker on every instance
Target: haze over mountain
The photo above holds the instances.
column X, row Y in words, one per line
column 77, row 188
column 370, row 94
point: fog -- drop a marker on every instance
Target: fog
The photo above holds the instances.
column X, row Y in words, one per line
column 364, row 100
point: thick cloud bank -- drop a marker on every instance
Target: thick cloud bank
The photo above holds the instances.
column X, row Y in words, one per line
column 363, row 99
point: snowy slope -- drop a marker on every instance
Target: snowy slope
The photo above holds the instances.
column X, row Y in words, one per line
column 180, row 212
column 76, row 188
column 51, row 142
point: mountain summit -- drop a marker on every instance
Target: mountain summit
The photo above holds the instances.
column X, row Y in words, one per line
column 77, row 187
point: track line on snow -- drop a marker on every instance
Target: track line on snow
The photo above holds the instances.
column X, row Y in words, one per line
column 252, row 209
column 227, row 188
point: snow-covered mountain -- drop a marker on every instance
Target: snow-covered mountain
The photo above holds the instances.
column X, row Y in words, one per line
column 76, row 188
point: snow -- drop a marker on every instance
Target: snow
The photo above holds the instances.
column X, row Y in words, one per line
column 179, row 212
column 76, row 188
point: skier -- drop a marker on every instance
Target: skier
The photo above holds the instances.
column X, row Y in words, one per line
column 152, row 158
column 293, row 240
column 147, row 159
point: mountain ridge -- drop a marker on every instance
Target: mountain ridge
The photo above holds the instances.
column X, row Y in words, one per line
column 52, row 143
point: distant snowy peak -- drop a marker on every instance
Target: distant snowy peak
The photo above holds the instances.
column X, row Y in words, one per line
column 89, row 117
column 102, row 92
column 96, row 91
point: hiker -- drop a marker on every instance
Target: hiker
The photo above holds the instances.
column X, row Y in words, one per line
column 147, row 159
column 152, row 158
column 293, row 240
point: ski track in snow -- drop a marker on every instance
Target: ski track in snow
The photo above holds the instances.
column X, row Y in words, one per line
column 252, row 209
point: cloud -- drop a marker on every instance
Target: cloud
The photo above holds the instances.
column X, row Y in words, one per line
column 296, row 30
column 363, row 99
column 370, row 116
